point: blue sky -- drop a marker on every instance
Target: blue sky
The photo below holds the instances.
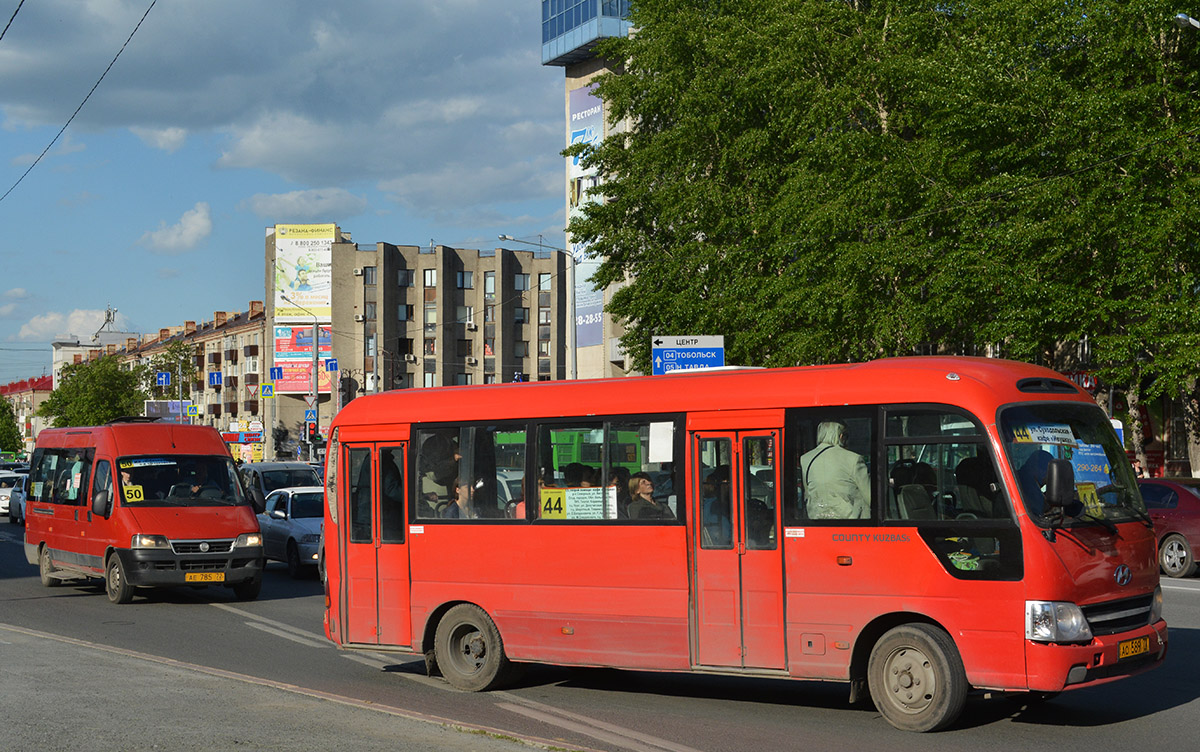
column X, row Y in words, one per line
column 400, row 120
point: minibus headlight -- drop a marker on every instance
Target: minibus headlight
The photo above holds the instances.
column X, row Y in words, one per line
column 1055, row 621
column 141, row 540
column 248, row 540
column 1156, row 605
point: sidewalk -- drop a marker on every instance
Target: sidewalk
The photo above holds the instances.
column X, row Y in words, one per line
column 67, row 695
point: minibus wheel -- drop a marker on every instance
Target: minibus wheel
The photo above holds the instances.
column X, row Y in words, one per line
column 116, row 584
column 917, row 678
column 46, row 569
column 468, row 649
column 248, row 590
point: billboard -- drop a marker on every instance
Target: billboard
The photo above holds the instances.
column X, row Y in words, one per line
column 303, row 272
column 293, row 354
column 585, row 126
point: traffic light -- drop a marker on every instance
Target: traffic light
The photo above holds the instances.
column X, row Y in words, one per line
column 310, row 430
column 347, row 390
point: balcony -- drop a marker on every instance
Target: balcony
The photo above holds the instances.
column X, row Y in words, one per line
column 251, row 378
column 214, row 410
column 231, row 356
column 250, row 407
column 231, row 382
column 231, row 408
column 250, row 351
column 214, row 359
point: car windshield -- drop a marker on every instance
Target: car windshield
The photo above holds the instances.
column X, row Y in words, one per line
column 1104, row 481
column 8, row 481
column 179, row 480
column 307, row 505
column 300, row 476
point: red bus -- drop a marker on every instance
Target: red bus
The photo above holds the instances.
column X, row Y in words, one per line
column 916, row 527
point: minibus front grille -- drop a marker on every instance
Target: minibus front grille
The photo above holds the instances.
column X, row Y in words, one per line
column 1119, row 616
column 202, row 546
column 202, row 565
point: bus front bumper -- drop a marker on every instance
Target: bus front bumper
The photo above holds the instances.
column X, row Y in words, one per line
column 1054, row 668
column 161, row 567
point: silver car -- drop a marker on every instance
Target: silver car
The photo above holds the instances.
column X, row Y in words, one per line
column 291, row 527
column 8, row 481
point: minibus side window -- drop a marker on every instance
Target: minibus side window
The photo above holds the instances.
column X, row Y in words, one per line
column 41, row 483
column 72, row 480
column 103, row 483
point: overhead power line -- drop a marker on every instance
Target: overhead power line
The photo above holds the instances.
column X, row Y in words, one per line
column 10, row 20
column 81, row 104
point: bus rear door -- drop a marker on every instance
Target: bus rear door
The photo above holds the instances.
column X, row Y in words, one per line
column 739, row 619
column 375, row 584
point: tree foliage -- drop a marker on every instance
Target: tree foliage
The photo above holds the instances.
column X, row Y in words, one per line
column 830, row 181
column 10, row 432
column 95, row 392
column 179, row 360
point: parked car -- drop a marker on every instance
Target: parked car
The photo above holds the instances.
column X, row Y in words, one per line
column 261, row 478
column 291, row 527
column 1174, row 505
column 8, row 480
column 16, row 501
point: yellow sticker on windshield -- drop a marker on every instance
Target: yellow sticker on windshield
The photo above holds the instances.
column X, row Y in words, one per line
column 134, row 494
column 1091, row 499
column 554, row 503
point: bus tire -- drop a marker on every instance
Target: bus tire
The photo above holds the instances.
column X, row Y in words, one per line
column 917, row 678
column 1175, row 557
column 116, row 584
column 468, row 649
column 46, row 569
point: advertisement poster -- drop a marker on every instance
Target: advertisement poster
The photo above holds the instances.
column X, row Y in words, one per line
column 586, row 126
column 303, row 272
column 293, row 353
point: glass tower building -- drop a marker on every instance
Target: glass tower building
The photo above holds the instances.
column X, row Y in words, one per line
column 571, row 28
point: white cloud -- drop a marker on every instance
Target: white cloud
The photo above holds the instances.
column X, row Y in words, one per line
column 194, row 226
column 16, row 293
column 166, row 139
column 80, row 323
column 325, row 204
column 7, row 310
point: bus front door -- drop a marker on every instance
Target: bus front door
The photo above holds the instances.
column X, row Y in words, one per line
column 739, row 619
column 376, row 580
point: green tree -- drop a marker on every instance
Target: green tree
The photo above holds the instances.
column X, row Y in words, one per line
column 178, row 359
column 831, row 181
column 95, row 392
column 10, row 432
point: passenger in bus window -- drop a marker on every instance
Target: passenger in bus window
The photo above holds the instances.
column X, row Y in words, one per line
column 463, row 506
column 1032, row 478
column 618, row 479
column 643, row 505
column 836, row 482
column 438, row 467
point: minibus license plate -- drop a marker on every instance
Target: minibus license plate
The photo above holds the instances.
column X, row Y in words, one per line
column 220, row 577
column 1133, row 648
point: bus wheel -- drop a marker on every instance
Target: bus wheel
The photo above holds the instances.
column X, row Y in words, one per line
column 46, row 569
column 468, row 649
column 1175, row 557
column 115, row 583
column 917, row 678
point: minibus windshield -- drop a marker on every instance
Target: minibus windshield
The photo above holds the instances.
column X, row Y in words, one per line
column 179, row 480
column 1034, row 434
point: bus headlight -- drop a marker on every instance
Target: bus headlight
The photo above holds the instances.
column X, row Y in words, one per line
column 1156, row 605
column 141, row 540
column 1055, row 621
column 248, row 540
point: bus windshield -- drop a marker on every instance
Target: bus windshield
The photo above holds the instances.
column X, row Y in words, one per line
column 1104, row 483
column 179, row 480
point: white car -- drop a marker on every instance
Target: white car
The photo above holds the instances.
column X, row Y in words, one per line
column 8, row 480
column 16, row 501
column 291, row 527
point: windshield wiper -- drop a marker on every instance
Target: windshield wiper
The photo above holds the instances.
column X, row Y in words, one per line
column 1142, row 516
column 1107, row 523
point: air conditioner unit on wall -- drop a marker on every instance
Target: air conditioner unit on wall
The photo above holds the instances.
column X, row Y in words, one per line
column 410, row 358
column 359, row 317
column 472, row 326
column 358, row 271
column 471, row 361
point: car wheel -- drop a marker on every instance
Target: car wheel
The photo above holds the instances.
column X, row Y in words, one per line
column 468, row 649
column 46, row 569
column 917, row 678
column 296, row 569
column 1175, row 557
column 116, row 584
column 248, row 590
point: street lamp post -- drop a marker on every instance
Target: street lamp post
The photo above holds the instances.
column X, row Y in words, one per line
column 571, row 282
column 316, row 348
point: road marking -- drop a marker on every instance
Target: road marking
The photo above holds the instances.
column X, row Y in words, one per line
column 605, row 732
column 287, row 635
column 296, row 631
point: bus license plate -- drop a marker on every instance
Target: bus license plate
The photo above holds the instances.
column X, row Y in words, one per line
column 220, row 577
column 1133, row 648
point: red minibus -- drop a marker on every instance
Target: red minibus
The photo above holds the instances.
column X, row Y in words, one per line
column 140, row 504
column 916, row 527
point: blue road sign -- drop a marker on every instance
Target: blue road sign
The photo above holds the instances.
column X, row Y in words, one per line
column 193, row 411
column 267, row 390
column 214, row 378
column 276, row 373
column 331, row 364
column 310, row 414
column 669, row 354
column 162, row 378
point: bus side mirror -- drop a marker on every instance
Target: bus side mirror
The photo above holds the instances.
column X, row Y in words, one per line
column 100, row 503
column 1060, row 487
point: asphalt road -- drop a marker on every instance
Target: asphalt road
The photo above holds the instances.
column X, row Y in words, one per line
column 196, row 669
